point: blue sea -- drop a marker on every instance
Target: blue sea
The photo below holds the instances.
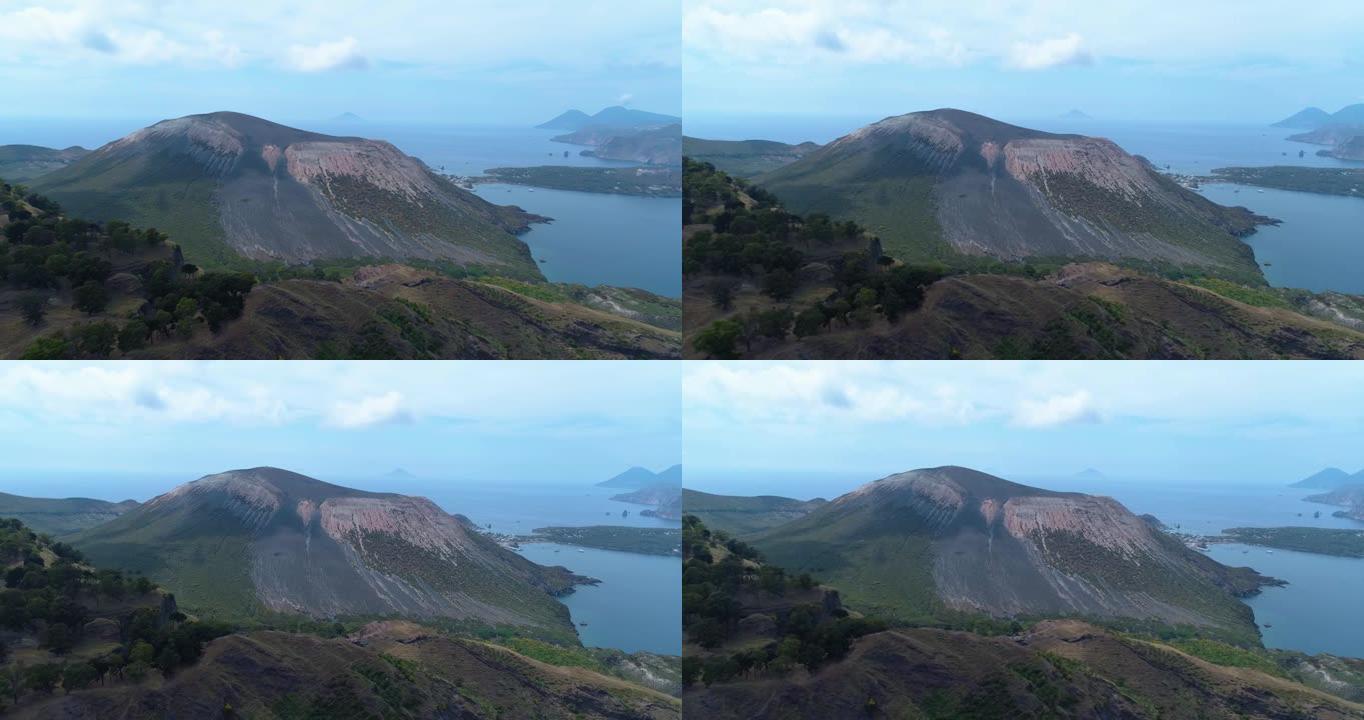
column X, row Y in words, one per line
column 1319, row 245
column 637, row 606
column 594, row 239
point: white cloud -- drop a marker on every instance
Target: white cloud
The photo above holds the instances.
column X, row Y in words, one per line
column 1050, row 53
column 815, row 34
column 369, row 411
column 343, row 54
column 797, row 393
column 625, row 99
column 1054, row 410
column 61, row 33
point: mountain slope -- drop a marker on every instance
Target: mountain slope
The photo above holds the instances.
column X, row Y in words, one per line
column 61, row 516
column 651, row 145
column 954, row 540
column 1056, row 669
column 1350, row 497
column 386, row 670
column 762, row 282
column 938, row 184
column 745, row 515
column 745, row 158
column 566, row 120
column 613, row 117
column 226, row 185
column 637, row 477
column 238, row 542
column 1325, row 479
column 22, row 163
column 654, row 146
column 394, row 311
column 1312, row 117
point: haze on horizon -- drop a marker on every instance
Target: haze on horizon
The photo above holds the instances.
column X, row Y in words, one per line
column 1219, row 61
column 518, row 63
column 748, row 423
column 529, row 423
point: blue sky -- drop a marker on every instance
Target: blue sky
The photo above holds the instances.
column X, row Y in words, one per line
column 489, row 422
column 1154, row 60
column 1189, row 422
column 450, row 61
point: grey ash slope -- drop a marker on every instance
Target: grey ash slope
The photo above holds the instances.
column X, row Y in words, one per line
column 226, row 184
column 952, row 540
column 245, row 540
column 948, row 182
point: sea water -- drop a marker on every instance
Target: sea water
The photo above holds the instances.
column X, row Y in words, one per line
column 637, row 606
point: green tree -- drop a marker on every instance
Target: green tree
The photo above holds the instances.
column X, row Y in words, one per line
column 43, row 678
column 133, row 336
column 51, row 347
column 691, row 670
column 136, row 671
column 91, row 297
column 78, row 676
column 169, row 659
column 810, row 321
column 142, row 652
column 722, row 294
column 719, row 339
column 779, row 284
column 185, row 311
column 58, row 638
column 97, row 339
column 34, row 307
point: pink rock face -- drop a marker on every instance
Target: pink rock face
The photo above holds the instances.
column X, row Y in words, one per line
column 989, row 509
column 1099, row 520
column 989, row 151
column 416, row 521
column 271, row 155
column 306, row 510
column 374, row 162
column 1099, row 161
column 934, row 136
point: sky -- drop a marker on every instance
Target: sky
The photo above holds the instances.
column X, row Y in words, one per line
column 146, row 424
column 1216, row 61
column 447, row 61
column 1179, row 422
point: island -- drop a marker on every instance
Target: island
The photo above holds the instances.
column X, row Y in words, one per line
column 645, row 541
column 1322, row 541
column 646, row 181
column 1324, row 181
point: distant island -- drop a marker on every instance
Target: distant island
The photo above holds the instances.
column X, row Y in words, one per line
column 1314, row 117
column 615, row 116
column 1348, row 182
column 642, row 181
column 1322, row 541
column 1076, row 115
column 646, row 541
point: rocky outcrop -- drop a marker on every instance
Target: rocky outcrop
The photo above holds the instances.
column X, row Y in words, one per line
column 1350, row 497
column 984, row 187
column 302, row 545
column 988, row 545
column 267, row 191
